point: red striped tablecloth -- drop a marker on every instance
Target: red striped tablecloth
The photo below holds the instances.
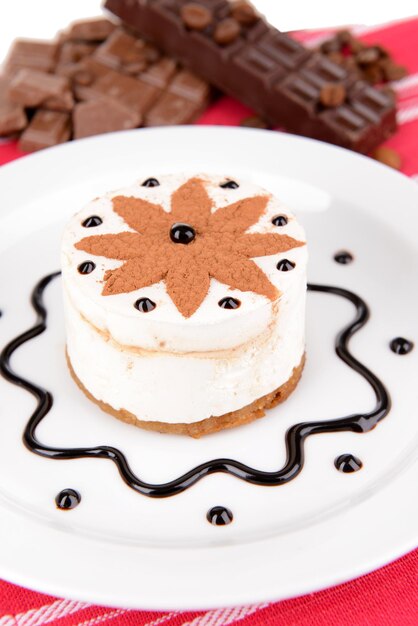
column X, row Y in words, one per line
column 388, row 597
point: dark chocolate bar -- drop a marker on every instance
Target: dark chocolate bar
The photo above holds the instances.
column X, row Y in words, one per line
column 236, row 50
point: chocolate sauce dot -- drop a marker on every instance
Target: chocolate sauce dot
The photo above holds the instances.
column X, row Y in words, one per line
column 348, row 463
column 400, row 345
column 182, row 233
column 67, row 499
column 229, row 184
column 145, row 305
column 343, row 257
column 150, row 182
column 92, row 221
column 279, row 220
column 87, row 267
column 219, row 516
column 285, row 265
column 229, row 303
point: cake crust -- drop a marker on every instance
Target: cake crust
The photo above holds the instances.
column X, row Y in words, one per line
column 214, row 424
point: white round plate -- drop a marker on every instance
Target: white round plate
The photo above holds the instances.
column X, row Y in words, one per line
column 123, row 549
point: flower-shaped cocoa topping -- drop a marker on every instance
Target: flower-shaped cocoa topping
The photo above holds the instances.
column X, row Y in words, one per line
column 188, row 246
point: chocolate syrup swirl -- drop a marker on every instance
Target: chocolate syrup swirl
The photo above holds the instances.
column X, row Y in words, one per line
column 295, row 436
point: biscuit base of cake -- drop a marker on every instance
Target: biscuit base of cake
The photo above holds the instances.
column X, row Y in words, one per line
column 247, row 414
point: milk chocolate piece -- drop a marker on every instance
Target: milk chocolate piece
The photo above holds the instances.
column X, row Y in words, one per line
column 31, row 88
column 184, row 100
column 47, row 128
column 268, row 71
column 123, row 52
column 29, row 53
column 12, row 116
column 160, row 73
column 96, row 29
column 172, row 110
column 120, row 83
column 95, row 117
column 75, row 51
column 132, row 93
column 190, row 87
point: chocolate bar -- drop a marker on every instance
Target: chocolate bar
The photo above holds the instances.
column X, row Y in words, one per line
column 235, row 49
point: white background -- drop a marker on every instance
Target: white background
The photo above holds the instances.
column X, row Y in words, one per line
column 42, row 18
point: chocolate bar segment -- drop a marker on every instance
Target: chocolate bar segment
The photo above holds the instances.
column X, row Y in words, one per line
column 267, row 70
column 94, row 29
column 12, row 116
column 96, row 117
column 29, row 53
column 31, row 88
column 47, row 128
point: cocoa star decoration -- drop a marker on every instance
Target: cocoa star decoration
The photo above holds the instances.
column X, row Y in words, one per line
column 188, row 246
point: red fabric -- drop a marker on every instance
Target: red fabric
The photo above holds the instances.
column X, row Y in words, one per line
column 387, row 597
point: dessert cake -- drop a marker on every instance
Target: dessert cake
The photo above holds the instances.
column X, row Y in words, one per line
column 185, row 302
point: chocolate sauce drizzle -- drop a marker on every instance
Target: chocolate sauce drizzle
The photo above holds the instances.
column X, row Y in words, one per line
column 295, row 436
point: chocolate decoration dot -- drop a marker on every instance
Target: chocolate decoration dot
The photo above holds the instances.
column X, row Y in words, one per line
column 67, row 499
column 343, row 257
column 348, row 463
column 279, row 220
column 87, row 267
column 229, row 184
column 92, row 221
column 182, row 233
column 219, row 516
column 229, row 303
column 285, row 265
column 150, row 182
column 401, row 346
column 145, row 305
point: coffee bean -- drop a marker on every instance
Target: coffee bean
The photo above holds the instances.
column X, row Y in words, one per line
column 344, row 37
column 227, row 31
column 332, row 95
column 254, row 122
column 387, row 156
column 392, row 71
column 330, row 45
column 195, row 16
column 373, row 74
column 367, row 56
column 336, row 57
column 244, row 13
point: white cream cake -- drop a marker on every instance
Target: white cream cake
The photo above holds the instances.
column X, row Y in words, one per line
column 184, row 299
